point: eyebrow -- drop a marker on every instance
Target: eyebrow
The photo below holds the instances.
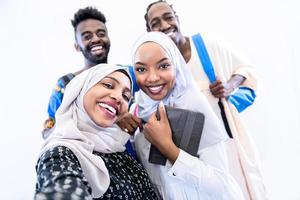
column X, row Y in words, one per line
column 161, row 60
column 100, row 29
column 113, row 78
column 85, row 32
column 163, row 15
column 167, row 13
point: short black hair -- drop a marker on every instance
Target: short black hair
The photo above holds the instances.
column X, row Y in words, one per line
column 150, row 5
column 87, row 13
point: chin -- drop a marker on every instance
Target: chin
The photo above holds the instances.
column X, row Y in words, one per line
column 158, row 97
column 105, row 124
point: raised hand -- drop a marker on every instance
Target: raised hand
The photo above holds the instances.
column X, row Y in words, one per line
column 158, row 133
column 129, row 123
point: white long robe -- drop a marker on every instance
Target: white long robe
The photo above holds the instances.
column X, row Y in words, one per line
column 244, row 163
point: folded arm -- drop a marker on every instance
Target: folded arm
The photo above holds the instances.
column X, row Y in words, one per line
column 59, row 176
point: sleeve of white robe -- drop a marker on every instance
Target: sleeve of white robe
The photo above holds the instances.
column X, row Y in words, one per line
column 241, row 66
column 228, row 61
column 209, row 172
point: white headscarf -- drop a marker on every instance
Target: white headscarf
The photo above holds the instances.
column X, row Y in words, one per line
column 185, row 93
column 75, row 129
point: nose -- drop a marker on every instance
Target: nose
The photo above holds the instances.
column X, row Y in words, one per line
column 164, row 25
column 152, row 77
column 95, row 38
column 117, row 96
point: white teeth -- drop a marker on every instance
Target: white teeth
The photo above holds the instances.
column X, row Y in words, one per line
column 170, row 33
column 108, row 107
column 155, row 89
column 96, row 48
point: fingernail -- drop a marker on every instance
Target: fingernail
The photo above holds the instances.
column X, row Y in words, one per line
column 161, row 104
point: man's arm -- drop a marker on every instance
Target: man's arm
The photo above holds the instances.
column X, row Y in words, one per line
column 60, row 176
column 221, row 89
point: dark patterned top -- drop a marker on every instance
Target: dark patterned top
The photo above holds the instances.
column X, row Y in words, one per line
column 59, row 176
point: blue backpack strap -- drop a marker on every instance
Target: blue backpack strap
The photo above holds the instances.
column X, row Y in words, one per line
column 204, row 57
column 129, row 147
column 135, row 86
column 209, row 70
column 130, row 150
column 54, row 103
column 57, row 94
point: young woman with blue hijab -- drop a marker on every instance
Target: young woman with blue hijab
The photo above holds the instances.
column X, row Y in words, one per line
column 164, row 78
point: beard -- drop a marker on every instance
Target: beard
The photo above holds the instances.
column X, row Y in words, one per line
column 96, row 59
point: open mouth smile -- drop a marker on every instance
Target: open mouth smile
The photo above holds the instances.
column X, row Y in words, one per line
column 155, row 89
column 97, row 49
column 170, row 32
column 113, row 110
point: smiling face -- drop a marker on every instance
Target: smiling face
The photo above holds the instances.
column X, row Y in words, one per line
column 93, row 41
column 161, row 17
column 108, row 99
column 154, row 71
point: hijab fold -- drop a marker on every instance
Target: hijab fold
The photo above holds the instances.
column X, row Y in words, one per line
column 75, row 130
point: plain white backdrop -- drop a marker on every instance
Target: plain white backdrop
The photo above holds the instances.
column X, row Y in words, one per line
column 36, row 47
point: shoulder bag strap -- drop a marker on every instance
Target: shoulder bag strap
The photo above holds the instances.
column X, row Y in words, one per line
column 209, row 70
column 204, row 58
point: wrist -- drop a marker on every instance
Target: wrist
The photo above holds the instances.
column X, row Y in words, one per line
column 233, row 91
column 236, row 80
column 170, row 151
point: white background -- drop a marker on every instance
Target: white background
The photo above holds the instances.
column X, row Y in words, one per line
column 36, row 47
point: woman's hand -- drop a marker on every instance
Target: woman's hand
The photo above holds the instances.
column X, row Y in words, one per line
column 129, row 123
column 158, row 133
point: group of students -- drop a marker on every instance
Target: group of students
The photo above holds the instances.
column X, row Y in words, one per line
column 87, row 152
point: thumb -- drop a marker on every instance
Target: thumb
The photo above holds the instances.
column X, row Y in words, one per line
column 162, row 112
